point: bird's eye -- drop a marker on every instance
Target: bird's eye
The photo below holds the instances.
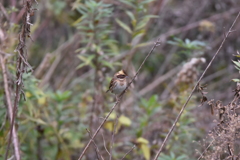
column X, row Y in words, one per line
column 121, row 76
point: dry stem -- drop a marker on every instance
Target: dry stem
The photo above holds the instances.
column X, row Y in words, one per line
column 128, row 152
column 22, row 65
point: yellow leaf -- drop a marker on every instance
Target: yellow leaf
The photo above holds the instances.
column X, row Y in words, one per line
column 42, row 100
column 178, row 124
column 109, row 125
column 142, row 140
column 146, row 151
column 206, row 25
column 124, row 26
column 76, row 144
column 112, row 116
column 125, row 121
column 28, row 94
column 77, row 21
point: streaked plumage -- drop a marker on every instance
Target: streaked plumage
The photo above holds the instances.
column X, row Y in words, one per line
column 118, row 82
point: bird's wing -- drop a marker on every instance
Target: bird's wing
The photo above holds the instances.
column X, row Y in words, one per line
column 112, row 84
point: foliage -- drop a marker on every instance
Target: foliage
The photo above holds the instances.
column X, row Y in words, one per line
column 149, row 107
column 89, row 40
column 94, row 25
column 237, row 66
column 53, row 115
column 188, row 48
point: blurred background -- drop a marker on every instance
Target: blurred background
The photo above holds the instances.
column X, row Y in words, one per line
column 75, row 48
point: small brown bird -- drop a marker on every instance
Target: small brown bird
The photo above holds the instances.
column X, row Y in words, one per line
column 118, row 83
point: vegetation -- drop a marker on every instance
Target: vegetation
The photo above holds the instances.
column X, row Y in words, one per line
column 57, row 59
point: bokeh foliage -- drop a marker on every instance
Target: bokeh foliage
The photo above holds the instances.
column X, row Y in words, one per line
column 87, row 41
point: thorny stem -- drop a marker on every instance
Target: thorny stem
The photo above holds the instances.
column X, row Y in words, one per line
column 21, row 66
column 184, row 106
column 118, row 101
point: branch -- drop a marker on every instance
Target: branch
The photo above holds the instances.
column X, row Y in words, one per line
column 128, row 152
column 184, row 106
column 151, row 86
column 96, row 147
column 104, row 143
column 118, row 101
column 205, row 150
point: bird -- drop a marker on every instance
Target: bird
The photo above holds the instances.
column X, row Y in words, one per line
column 118, row 83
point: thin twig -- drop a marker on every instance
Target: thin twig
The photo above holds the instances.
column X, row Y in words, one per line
column 120, row 97
column 96, row 147
column 4, row 11
column 183, row 107
column 155, row 45
column 205, row 150
column 128, row 152
column 104, row 143
column 150, row 87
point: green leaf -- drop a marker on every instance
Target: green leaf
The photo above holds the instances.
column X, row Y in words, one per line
column 146, row 1
column 132, row 17
column 237, row 68
column 143, row 44
column 136, row 39
column 108, row 64
column 124, row 26
column 127, row 2
column 86, row 60
column 236, row 80
column 141, row 24
column 236, row 63
column 152, row 100
column 150, row 16
column 37, row 120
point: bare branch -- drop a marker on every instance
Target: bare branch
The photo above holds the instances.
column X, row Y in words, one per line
column 96, row 147
column 205, row 150
column 104, row 143
column 128, row 152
